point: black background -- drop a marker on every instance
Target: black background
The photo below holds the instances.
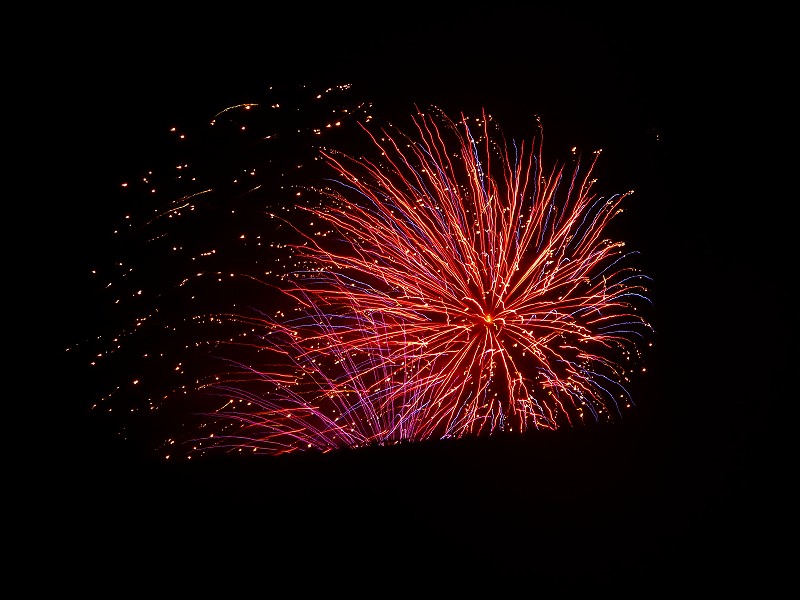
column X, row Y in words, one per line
column 689, row 491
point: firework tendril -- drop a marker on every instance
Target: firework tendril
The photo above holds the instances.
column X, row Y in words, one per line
column 463, row 289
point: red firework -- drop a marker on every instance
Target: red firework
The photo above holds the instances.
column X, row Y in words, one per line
column 460, row 289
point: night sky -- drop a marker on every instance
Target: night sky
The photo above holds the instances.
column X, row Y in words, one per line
column 687, row 490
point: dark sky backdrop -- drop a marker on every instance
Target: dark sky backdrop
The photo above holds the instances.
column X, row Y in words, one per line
column 685, row 106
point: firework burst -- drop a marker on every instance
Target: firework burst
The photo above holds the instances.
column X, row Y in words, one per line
column 450, row 284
